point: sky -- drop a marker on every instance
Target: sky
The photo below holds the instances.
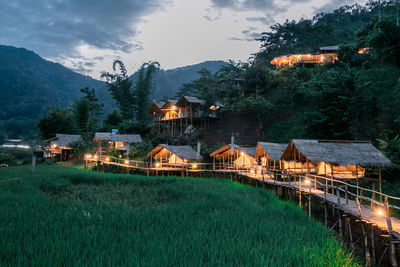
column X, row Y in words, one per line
column 87, row 35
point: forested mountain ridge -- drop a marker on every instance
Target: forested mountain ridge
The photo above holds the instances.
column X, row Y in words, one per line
column 167, row 82
column 30, row 86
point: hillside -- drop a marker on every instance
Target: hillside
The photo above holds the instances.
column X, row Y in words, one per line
column 167, row 82
column 31, row 85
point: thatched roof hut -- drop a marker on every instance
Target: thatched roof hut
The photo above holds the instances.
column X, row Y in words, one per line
column 243, row 157
column 124, row 138
column 174, row 154
column 272, row 151
column 63, row 140
column 189, row 100
column 237, row 150
column 156, row 107
column 343, row 153
column 169, row 104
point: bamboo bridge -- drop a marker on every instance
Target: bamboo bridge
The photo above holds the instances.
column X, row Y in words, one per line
column 366, row 207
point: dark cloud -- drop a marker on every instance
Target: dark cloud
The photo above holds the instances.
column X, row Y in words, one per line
column 211, row 15
column 54, row 28
column 267, row 20
column 254, row 5
column 249, row 35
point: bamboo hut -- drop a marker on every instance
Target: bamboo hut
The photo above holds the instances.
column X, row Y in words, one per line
column 59, row 146
column 234, row 157
column 156, row 110
column 120, row 142
column 173, row 155
column 175, row 116
column 269, row 154
column 336, row 159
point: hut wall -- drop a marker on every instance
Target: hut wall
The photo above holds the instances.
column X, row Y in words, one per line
column 245, row 161
column 344, row 172
column 299, row 167
column 174, row 159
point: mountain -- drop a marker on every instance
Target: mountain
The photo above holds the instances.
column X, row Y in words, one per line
column 167, row 82
column 31, row 85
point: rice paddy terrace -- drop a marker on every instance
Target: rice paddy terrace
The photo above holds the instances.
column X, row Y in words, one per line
column 65, row 216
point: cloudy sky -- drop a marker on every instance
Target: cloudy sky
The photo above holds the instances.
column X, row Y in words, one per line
column 87, row 35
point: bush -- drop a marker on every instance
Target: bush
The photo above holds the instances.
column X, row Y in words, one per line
column 139, row 151
column 15, row 156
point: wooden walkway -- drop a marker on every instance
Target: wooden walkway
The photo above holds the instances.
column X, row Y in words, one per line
column 349, row 206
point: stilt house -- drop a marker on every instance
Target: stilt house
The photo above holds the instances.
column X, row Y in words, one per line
column 337, row 159
column 173, row 155
column 120, row 142
column 269, row 154
column 59, row 146
column 234, row 157
column 175, row 116
column 327, row 54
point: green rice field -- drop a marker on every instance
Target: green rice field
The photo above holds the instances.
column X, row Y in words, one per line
column 68, row 217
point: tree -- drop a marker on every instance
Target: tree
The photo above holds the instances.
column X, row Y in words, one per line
column 81, row 114
column 143, row 90
column 94, row 107
column 383, row 40
column 112, row 120
column 121, row 89
column 56, row 121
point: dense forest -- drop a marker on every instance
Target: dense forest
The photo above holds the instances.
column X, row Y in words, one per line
column 356, row 98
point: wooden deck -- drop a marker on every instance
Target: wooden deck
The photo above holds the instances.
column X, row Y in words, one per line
column 347, row 205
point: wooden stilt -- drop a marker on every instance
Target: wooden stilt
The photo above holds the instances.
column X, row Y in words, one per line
column 340, row 225
column 350, row 234
column 366, row 248
column 373, row 259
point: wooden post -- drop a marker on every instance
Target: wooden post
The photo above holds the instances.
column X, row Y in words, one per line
column 380, row 184
column 213, row 163
column 33, row 164
column 367, row 254
column 340, row 224
column 393, row 257
column 326, row 213
column 333, row 189
column 373, row 260
column 338, row 194
column 373, row 193
column 350, row 234
column 309, row 200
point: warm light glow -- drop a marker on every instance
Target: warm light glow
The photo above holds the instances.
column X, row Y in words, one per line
column 252, row 171
column 107, row 159
column 242, row 153
column 194, row 166
column 380, row 212
column 173, row 107
column 157, row 165
column 322, row 58
column 307, row 182
column 54, row 146
column 126, row 161
column 95, row 157
column 120, row 156
column 88, row 156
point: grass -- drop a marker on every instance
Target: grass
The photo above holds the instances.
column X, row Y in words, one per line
column 64, row 216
